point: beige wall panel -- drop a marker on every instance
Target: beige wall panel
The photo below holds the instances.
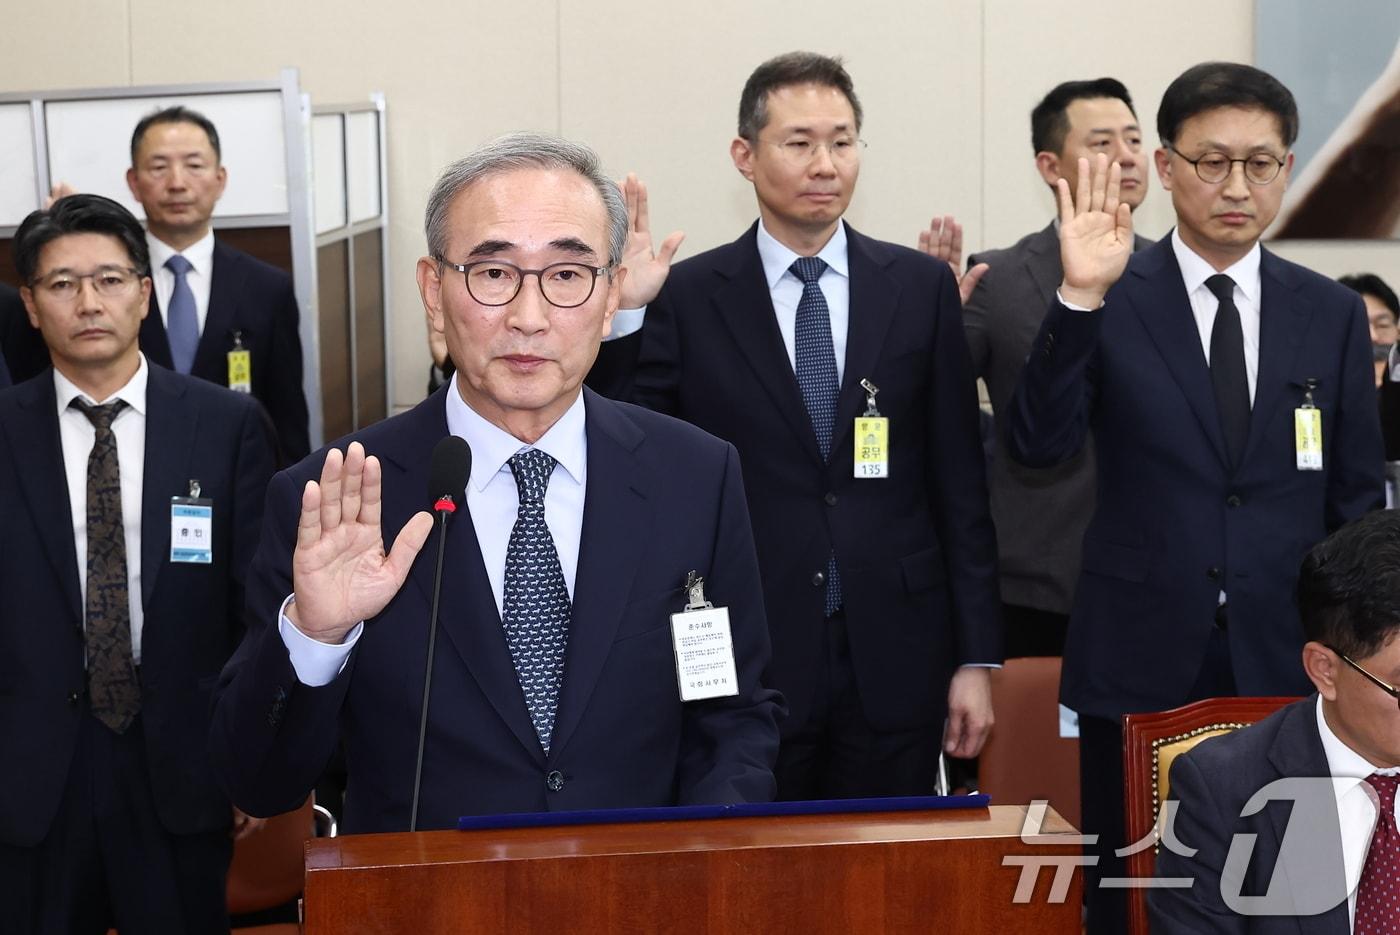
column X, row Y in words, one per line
column 1031, row 47
column 1338, row 258
column 454, row 75
column 63, row 44
column 655, row 87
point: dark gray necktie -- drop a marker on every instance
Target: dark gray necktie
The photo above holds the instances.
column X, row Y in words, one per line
column 181, row 322
column 1227, row 370
column 535, row 606
column 816, row 378
column 113, row 690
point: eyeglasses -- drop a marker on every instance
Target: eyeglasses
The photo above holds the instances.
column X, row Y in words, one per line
column 1386, row 687
column 799, row 151
column 110, row 282
column 1214, row 168
column 497, row 282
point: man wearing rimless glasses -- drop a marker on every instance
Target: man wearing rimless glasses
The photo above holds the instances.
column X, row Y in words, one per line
column 1320, row 843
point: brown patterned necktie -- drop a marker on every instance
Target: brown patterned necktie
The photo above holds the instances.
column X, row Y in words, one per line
column 114, row 694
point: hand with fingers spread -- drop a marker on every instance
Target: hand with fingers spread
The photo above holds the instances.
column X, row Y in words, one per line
column 943, row 241
column 646, row 269
column 340, row 573
column 1096, row 232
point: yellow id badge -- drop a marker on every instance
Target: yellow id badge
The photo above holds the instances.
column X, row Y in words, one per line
column 1307, row 433
column 240, row 370
column 872, row 446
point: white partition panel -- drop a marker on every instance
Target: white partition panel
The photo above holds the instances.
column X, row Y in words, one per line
column 19, row 185
column 328, row 170
column 362, row 169
column 89, row 146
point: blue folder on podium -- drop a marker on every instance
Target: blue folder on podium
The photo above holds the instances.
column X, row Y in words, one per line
column 600, row 816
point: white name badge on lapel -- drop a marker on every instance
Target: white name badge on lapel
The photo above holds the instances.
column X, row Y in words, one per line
column 1307, row 431
column 192, row 528
column 704, row 647
column 872, row 438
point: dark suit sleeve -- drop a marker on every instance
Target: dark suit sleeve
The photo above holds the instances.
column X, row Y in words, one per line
column 958, row 488
column 729, row 745
column 1201, row 823
column 252, row 471
column 1390, row 416
column 1055, row 395
column 1356, row 476
column 657, row 377
column 975, row 325
column 611, row 373
column 289, row 413
column 272, row 736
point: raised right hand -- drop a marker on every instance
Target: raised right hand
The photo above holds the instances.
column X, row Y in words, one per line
column 646, row 270
column 1096, row 232
column 340, row 574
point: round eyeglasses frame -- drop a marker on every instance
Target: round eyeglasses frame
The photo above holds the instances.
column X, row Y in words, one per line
column 466, row 268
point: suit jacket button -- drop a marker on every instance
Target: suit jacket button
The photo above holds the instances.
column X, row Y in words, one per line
column 1233, row 500
column 1213, row 573
column 830, row 499
column 554, row 781
column 819, row 579
column 73, row 697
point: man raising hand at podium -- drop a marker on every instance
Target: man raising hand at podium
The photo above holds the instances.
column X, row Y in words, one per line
column 555, row 683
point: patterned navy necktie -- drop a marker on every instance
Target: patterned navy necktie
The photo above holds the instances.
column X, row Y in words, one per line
column 816, row 378
column 114, row 693
column 535, row 608
column 181, row 321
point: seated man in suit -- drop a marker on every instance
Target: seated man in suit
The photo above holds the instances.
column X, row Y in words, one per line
column 1040, row 515
column 879, row 577
column 1234, row 419
column 555, row 685
column 1324, row 848
column 113, row 628
column 209, row 299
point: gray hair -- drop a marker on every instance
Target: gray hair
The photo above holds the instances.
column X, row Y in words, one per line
column 525, row 151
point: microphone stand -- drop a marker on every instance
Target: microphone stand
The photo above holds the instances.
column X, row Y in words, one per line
column 444, row 508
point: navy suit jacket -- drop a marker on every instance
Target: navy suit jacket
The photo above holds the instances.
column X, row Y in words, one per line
column 1212, row 783
column 193, row 613
column 1173, row 524
column 916, row 551
column 254, row 299
column 662, row 499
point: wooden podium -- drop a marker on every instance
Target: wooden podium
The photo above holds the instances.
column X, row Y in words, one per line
column 886, row 872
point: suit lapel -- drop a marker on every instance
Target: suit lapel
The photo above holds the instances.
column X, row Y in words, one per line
column 617, row 517
column 171, row 424
column 33, row 441
column 1297, row 752
column 874, row 295
column 467, row 612
column 1159, row 297
column 225, row 285
column 154, row 342
column 1283, row 321
column 1042, row 263
column 745, row 305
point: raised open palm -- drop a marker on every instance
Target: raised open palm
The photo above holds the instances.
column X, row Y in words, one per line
column 647, row 269
column 1096, row 232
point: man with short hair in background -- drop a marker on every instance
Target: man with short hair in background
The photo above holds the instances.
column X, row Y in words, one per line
column 878, row 557
column 131, row 499
column 210, row 302
column 1040, row 515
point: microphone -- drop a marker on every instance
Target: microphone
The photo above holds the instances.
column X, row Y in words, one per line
column 447, row 489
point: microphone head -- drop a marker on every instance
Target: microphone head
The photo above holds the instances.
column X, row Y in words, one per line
column 448, row 473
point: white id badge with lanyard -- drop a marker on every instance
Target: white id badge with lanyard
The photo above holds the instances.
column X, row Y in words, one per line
column 192, row 528
column 704, row 647
column 1307, row 431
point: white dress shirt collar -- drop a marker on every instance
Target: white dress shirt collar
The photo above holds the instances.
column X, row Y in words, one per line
column 1195, row 270
column 1347, row 767
column 200, row 253
column 778, row 258
column 492, row 447
column 133, row 393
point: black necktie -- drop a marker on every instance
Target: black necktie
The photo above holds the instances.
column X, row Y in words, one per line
column 113, row 690
column 1227, row 371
